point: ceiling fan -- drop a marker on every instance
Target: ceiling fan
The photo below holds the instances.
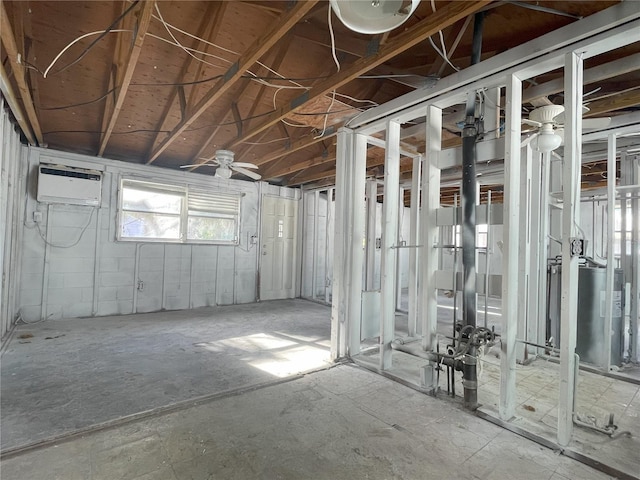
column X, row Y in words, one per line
column 548, row 120
column 223, row 161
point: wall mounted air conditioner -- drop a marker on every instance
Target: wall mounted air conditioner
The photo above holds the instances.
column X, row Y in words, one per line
column 70, row 185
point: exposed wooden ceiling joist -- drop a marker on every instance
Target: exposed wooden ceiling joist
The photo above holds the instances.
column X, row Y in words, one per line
column 208, row 29
column 440, row 20
column 621, row 101
column 12, row 100
column 197, row 159
column 329, row 155
column 591, row 75
column 125, row 59
column 235, row 72
column 9, row 42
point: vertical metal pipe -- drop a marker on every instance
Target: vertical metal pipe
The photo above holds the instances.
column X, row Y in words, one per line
column 469, row 190
column 469, row 198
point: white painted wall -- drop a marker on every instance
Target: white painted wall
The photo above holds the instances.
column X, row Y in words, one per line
column 72, row 265
column 11, row 161
column 317, row 229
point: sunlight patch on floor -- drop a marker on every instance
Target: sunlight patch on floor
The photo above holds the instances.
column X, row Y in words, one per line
column 291, row 361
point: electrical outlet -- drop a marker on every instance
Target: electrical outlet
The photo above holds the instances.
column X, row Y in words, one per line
column 577, row 247
column 254, row 239
column 37, row 217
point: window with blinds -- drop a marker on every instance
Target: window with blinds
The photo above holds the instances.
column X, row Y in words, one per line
column 155, row 212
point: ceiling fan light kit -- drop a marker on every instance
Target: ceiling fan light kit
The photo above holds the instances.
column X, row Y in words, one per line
column 223, row 172
column 373, row 16
column 547, row 141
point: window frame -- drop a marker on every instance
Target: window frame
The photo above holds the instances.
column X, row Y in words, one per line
column 183, row 217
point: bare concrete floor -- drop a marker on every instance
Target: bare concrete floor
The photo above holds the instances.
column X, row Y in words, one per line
column 215, row 393
column 342, row 423
column 70, row 374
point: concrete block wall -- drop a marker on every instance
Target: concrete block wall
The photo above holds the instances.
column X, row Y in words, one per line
column 73, row 266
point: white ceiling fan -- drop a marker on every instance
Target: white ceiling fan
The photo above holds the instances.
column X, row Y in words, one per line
column 223, row 161
column 548, row 119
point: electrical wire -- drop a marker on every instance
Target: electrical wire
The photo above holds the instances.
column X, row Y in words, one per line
column 102, row 33
column 443, row 52
column 265, row 143
column 128, row 132
column 444, row 57
column 189, row 50
column 167, row 24
column 177, row 42
column 84, row 228
column 375, row 104
column 81, row 104
column 326, row 117
column 333, row 39
column 178, row 84
column 251, row 75
column 109, row 29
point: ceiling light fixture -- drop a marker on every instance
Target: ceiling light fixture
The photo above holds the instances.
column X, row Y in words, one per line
column 223, row 172
column 373, row 16
column 547, row 140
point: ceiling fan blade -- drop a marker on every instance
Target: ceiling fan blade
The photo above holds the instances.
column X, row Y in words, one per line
column 595, row 123
column 533, row 123
column 528, row 140
column 198, row 165
column 246, row 172
column 245, row 165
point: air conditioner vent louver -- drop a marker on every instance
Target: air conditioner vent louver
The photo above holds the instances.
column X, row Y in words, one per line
column 69, row 185
column 70, row 173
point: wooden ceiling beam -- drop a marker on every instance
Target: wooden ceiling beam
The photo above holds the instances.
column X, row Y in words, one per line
column 14, row 105
column 329, row 155
column 591, row 75
column 11, row 48
column 630, row 98
column 208, row 29
column 213, row 18
column 125, row 60
column 275, row 65
column 197, row 159
column 237, row 70
column 311, row 177
column 411, row 37
column 438, row 68
column 298, row 145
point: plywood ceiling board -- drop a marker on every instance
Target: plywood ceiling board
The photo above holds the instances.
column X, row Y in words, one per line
column 254, row 53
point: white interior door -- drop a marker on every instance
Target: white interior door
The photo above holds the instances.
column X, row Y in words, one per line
column 278, row 248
